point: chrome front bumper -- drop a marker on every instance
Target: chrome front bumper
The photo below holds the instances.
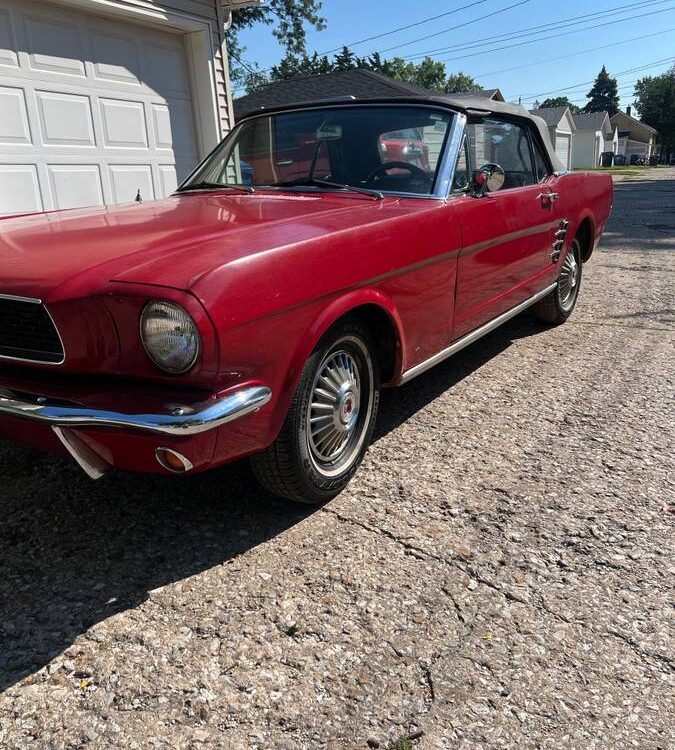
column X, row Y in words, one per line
column 178, row 421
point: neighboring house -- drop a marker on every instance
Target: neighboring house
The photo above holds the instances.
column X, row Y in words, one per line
column 359, row 83
column 594, row 136
column 494, row 95
column 635, row 137
column 561, row 128
column 101, row 99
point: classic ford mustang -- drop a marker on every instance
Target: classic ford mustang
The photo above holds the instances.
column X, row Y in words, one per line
column 260, row 309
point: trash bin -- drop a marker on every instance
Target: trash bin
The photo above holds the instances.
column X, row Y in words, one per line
column 606, row 158
column 619, row 160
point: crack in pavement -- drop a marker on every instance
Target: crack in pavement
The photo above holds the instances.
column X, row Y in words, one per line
column 540, row 603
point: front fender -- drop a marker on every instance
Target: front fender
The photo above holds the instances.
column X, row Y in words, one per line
column 327, row 316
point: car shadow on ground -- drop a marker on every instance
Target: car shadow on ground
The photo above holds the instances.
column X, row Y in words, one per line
column 74, row 552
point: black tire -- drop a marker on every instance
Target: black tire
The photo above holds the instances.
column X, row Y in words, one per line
column 294, row 466
column 557, row 306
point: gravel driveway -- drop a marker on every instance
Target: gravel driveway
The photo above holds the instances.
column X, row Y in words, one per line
column 499, row 575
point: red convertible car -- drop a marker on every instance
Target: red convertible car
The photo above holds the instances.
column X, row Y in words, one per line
column 260, row 309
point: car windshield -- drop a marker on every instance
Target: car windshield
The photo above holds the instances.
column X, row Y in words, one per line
column 379, row 148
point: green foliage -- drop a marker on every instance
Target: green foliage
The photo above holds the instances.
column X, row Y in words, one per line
column 604, row 96
column 429, row 74
column 655, row 101
column 288, row 17
column 560, row 101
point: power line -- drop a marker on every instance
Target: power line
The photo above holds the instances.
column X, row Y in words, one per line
column 405, row 28
column 654, row 63
column 454, row 28
column 574, row 54
column 564, row 33
column 429, row 36
column 532, row 30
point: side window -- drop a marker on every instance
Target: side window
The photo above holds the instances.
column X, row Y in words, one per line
column 540, row 164
column 420, row 146
column 504, row 143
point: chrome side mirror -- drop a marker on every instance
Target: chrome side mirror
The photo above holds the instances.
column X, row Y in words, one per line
column 488, row 179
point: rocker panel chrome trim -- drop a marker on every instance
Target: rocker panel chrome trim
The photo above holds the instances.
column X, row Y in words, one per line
column 470, row 338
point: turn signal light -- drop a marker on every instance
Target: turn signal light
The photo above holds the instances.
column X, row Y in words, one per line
column 173, row 461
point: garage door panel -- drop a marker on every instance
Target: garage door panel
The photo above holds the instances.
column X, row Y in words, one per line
column 117, row 57
column 20, row 189
column 65, row 119
column 182, row 129
column 14, row 127
column 128, row 180
column 74, row 185
column 165, row 71
column 123, row 124
column 168, row 178
column 54, row 46
column 92, row 110
column 8, row 55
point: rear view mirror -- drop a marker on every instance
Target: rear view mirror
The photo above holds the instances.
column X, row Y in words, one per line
column 488, row 179
column 329, row 133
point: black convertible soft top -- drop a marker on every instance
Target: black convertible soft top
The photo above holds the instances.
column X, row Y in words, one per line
column 466, row 104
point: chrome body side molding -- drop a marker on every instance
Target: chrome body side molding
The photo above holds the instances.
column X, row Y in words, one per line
column 470, row 338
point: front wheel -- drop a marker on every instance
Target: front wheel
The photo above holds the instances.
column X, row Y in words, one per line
column 557, row 306
column 330, row 421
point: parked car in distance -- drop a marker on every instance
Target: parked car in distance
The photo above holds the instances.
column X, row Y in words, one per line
column 260, row 309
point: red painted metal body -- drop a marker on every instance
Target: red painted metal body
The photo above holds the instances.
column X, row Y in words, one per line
column 264, row 276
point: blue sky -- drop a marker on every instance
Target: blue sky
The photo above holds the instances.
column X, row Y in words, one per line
column 563, row 61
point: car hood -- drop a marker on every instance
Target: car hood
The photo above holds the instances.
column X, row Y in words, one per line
column 172, row 242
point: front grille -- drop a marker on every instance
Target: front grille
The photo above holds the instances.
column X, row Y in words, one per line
column 27, row 332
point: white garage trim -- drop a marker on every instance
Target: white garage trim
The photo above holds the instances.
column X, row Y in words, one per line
column 200, row 55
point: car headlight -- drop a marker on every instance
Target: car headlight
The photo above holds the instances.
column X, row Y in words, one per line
column 170, row 336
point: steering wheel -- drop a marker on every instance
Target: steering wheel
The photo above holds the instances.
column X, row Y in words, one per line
column 414, row 170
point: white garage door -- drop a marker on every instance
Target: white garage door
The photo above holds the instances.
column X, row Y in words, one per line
column 91, row 110
column 562, row 149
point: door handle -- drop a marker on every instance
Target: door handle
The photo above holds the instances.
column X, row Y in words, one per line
column 550, row 197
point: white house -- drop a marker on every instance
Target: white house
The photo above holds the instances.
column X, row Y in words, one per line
column 101, row 99
column 561, row 128
column 594, row 136
column 635, row 137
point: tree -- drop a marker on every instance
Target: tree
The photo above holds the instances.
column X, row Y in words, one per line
column 604, row 96
column 457, row 82
column 288, row 18
column 560, row 101
column 655, row 101
column 429, row 74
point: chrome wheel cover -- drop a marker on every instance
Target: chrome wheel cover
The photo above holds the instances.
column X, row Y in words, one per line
column 339, row 408
column 568, row 282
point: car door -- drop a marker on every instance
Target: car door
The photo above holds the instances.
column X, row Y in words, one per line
column 506, row 235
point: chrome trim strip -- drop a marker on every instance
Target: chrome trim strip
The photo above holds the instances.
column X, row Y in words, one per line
column 446, row 171
column 470, row 338
column 90, row 462
column 14, row 298
column 181, row 421
column 35, row 301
